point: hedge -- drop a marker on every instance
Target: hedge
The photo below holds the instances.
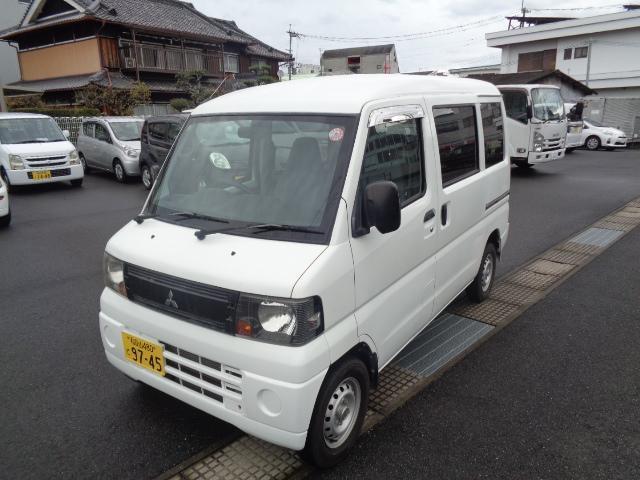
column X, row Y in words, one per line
column 61, row 112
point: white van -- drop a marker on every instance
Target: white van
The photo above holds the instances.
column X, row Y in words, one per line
column 537, row 123
column 33, row 149
column 298, row 236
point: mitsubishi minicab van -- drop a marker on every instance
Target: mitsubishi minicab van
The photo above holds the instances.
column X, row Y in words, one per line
column 298, row 236
column 33, row 149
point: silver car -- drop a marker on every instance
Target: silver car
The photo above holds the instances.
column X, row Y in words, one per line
column 111, row 144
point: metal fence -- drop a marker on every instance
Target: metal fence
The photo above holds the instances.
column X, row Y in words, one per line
column 622, row 113
column 72, row 124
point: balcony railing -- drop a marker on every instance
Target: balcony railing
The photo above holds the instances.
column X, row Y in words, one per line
column 157, row 58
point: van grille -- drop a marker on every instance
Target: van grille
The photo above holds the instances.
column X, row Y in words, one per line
column 202, row 375
column 551, row 144
column 191, row 301
column 47, row 161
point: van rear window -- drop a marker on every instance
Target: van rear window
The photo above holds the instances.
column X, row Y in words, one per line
column 457, row 141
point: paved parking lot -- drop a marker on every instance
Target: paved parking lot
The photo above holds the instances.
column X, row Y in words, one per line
column 67, row 413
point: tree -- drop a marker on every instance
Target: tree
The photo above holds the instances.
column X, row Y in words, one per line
column 114, row 101
column 192, row 83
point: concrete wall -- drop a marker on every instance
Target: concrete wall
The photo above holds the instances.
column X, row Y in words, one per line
column 75, row 58
column 368, row 64
column 12, row 13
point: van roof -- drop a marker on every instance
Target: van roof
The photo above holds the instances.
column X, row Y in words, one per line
column 10, row 115
column 114, row 119
column 338, row 93
column 528, row 86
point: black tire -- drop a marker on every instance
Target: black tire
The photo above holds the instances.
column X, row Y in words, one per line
column 6, row 220
column 592, row 143
column 83, row 162
column 146, row 176
column 317, row 450
column 5, row 180
column 77, row 183
column 481, row 286
column 569, row 150
column 119, row 171
column 610, row 149
column 523, row 164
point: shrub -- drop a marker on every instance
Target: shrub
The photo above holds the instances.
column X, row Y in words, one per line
column 180, row 104
column 61, row 112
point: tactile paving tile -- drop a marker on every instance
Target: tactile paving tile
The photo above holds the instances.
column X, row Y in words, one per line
column 564, row 256
column 490, row 311
column 515, row 294
column 547, row 267
column 629, row 213
column 393, row 382
column 620, row 217
column 625, row 227
column 580, row 248
column 632, row 209
column 530, row 279
column 246, row 458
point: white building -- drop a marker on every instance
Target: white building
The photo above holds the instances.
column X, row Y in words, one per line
column 370, row 59
column 12, row 13
column 602, row 51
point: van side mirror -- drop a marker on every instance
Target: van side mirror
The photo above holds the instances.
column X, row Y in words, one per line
column 382, row 206
column 66, row 133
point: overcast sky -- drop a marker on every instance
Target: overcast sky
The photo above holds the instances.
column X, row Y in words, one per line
column 269, row 20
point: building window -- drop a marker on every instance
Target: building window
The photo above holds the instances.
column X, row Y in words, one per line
column 493, row 129
column 231, row 63
column 394, row 153
column 457, row 142
column 567, row 53
column 581, row 52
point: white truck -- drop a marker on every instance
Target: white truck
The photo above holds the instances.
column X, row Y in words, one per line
column 537, row 123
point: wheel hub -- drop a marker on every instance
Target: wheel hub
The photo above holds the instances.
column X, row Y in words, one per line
column 487, row 272
column 342, row 412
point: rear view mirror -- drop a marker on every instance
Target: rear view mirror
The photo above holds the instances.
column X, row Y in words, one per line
column 66, row 133
column 382, row 206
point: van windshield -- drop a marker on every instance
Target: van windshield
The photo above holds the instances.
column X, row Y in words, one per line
column 29, row 130
column 284, row 171
column 547, row 104
column 127, row 131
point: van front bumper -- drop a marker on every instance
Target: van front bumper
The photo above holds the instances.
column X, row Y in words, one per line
column 58, row 174
column 543, row 157
column 221, row 374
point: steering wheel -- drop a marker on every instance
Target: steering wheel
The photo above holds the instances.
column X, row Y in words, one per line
column 233, row 183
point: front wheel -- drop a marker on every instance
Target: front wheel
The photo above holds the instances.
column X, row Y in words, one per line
column 338, row 414
column 569, row 150
column 592, row 143
column 77, row 183
column 483, row 283
column 523, row 164
column 119, row 172
column 83, row 162
column 147, row 178
column 5, row 179
column 6, row 220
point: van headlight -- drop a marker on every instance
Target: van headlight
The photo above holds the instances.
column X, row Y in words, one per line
column 74, row 159
column 538, row 142
column 279, row 320
column 113, row 270
column 131, row 152
column 15, row 162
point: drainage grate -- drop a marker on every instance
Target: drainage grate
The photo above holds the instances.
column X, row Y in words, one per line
column 490, row 311
column 514, row 294
column 547, row 267
column 529, row 279
column 563, row 256
column 598, row 237
column 447, row 337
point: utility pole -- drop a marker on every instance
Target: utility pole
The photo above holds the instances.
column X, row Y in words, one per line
column 524, row 11
column 589, row 45
column 292, row 34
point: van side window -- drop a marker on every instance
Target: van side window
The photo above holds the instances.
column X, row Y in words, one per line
column 515, row 103
column 493, row 128
column 102, row 134
column 158, row 132
column 174, row 129
column 394, row 152
column 87, row 129
column 457, row 141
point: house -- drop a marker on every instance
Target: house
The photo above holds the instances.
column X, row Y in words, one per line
column 64, row 45
column 481, row 69
column 602, row 52
column 12, row 12
column 370, row 59
column 570, row 89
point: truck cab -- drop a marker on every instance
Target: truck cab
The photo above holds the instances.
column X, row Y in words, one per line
column 537, row 123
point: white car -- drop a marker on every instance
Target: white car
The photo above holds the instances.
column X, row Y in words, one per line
column 33, row 150
column 595, row 135
column 5, row 210
column 298, row 236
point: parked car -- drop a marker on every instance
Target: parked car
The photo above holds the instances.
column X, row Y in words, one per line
column 595, row 135
column 272, row 299
column 158, row 134
column 5, row 209
column 574, row 126
column 33, row 149
column 111, row 144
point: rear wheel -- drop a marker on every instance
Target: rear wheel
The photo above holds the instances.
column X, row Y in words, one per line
column 592, row 143
column 147, row 178
column 338, row 414
column 119, row 172
column 483, row 283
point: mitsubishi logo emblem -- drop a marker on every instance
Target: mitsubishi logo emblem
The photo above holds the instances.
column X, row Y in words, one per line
column 170, row 302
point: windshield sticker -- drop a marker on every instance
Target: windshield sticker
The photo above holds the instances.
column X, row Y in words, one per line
column 336, row 135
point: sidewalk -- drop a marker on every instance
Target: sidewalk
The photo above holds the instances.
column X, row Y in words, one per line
column 555, row 395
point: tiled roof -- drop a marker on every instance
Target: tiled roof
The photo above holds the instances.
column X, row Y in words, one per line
column 256, row 47
column 368, row 50
column 530, row 77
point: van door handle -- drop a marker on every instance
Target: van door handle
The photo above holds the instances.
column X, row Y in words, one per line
column 443, row 215
column 429, row 215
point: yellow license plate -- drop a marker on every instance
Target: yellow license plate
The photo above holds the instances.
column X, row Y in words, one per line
column 144, row 353
column 41, row 175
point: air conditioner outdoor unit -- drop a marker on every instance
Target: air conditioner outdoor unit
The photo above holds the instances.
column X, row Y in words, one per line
column 129, row 62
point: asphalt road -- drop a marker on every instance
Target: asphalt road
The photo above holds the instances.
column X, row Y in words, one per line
column 67, row 414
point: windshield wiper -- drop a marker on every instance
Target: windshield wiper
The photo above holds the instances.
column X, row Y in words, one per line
column 186, row 216
column 265, row 227
column 31, row 141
